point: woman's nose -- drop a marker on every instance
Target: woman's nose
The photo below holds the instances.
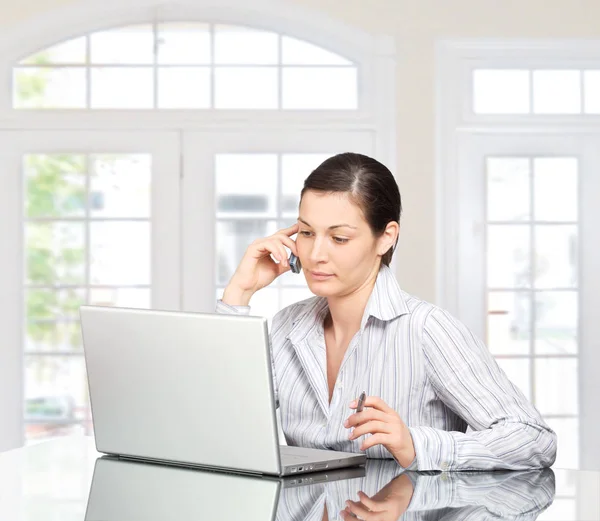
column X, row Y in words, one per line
column 318, row 253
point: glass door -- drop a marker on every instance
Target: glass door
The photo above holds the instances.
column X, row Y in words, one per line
column 87, row 218
column 527, row 247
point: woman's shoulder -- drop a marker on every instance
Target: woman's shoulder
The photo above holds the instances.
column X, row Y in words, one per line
column 424, row 313
column 298, row 309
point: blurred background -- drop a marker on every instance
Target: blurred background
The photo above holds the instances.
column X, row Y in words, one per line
column 143, row 146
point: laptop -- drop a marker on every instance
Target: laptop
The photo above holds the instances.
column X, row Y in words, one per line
column 136, row 491
column 192, row 389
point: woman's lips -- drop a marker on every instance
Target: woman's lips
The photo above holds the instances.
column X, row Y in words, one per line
column 320, row 276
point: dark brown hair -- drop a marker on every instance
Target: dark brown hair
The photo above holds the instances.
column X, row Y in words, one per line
column 369, row 184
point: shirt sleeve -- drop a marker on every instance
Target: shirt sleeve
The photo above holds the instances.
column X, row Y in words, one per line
column 507, row 431
column 227, row 309
column 521, row 495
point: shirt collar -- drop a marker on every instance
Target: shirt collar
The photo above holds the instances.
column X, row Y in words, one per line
column 386, row 302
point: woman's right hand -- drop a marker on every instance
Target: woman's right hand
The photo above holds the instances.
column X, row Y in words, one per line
column 257, row 269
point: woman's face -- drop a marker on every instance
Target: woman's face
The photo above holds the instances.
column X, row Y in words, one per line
column 335, row 244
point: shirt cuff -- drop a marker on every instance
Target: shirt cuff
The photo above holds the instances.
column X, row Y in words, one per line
column 227, row 309
column 435, row 449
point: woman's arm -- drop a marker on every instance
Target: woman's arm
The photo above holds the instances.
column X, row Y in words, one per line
column 509, row 432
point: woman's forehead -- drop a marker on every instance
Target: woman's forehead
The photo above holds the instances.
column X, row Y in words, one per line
column 330, row 209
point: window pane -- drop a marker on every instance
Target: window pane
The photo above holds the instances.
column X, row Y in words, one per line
column 295, row 168
column 240, row 45
column 556, row 385
column 501, row 91
column 184, row 88
column 518, row 372
column 233, row 239
column 122, row 88
column 556, row 256
column 320, row 88
column 299, row 52
column 55, row 253
column 131, row 45
column 567, row 453
column 509, row 323
column 54, row 185
column 265, row 303
column 556, row 92
column 120, row 185
column 508, row 256
column 53, row 336
column 556, row 322
column 55, row 388
column 122, row 297
column 50, row 304
column 555, row 185
column 47, row 88
column 246, row 185
column 592, row 91
column 69, row 52
column 508, row 189
column 246, row 88
column 183, row 43
column 120, row 253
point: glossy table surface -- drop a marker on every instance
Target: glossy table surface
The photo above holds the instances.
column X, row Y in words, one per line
column 66, row 479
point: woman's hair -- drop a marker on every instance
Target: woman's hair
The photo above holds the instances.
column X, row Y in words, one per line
column 368, row 183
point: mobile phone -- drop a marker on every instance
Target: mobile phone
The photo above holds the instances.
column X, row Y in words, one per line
column 295, row 265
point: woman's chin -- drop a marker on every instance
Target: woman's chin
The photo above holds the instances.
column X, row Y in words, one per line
column 320, row 290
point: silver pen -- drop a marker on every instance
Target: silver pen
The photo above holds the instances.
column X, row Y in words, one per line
column 361, row 401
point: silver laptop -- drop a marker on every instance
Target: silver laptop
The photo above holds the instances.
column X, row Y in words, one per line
column 193, row 389
column 139, row 491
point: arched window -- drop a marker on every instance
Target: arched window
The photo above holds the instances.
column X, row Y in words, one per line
column 185, row 66
column 146, row 153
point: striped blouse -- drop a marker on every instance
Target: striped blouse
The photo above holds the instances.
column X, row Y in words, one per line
column 450, row 496
column 422, row 362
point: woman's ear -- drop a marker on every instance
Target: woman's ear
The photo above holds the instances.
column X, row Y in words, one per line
column 388, row 238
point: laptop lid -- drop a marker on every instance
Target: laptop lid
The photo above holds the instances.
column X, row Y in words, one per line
column 144, row 492
column 181, row 387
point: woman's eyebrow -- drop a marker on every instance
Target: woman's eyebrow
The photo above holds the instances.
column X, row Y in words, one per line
column 331, row 227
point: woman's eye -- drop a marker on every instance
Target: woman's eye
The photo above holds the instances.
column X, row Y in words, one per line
column 305, row 233
column 340, row 240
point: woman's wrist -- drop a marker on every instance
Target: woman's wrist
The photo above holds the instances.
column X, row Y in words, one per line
column 234, row 296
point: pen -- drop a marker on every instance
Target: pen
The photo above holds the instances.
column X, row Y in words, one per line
column 361, row 401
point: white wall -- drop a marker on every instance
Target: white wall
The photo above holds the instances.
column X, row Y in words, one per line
column 416, row 26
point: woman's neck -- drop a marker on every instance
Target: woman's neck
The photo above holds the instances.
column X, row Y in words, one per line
column 345, row 313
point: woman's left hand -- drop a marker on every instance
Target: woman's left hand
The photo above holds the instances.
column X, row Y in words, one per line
column 386, row 428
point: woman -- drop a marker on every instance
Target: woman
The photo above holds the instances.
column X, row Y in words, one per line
column 426, row 375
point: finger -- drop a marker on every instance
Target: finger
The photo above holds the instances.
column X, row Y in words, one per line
column 376, row 403
column 346, row 515
column 376, row 439
column 290, row 230
column 362, row 417
column 358, row 509
column 371, row 427
column 372, row 505
column 277, row 250
column 268, row 247
column 291, row 244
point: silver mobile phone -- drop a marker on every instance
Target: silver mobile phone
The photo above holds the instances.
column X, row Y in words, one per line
column 295, row 265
